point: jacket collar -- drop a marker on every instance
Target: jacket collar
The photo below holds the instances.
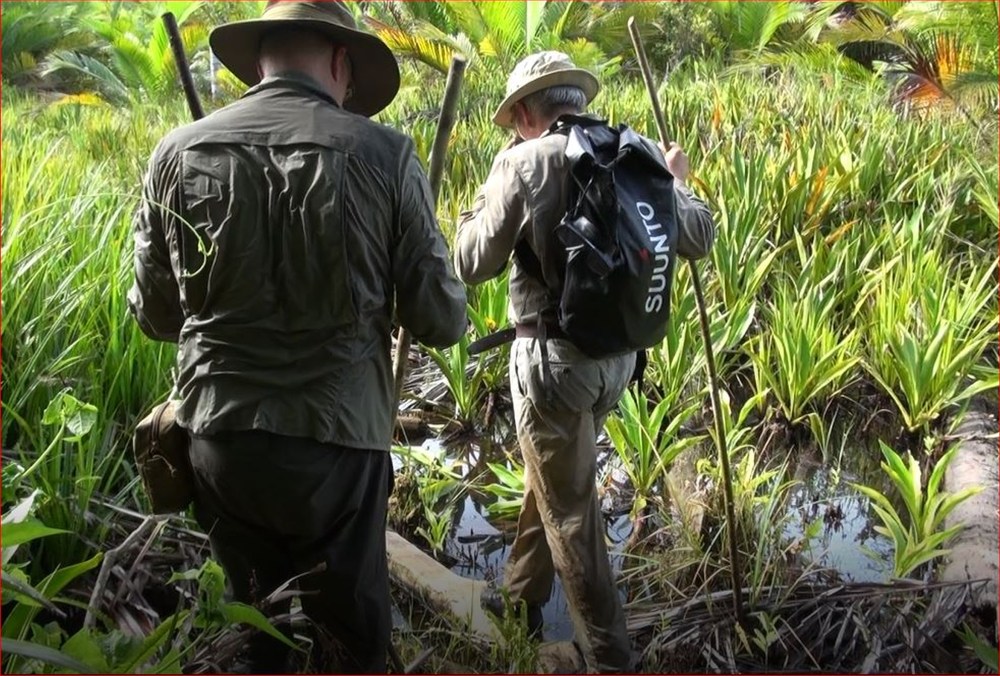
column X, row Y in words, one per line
column 291, row 80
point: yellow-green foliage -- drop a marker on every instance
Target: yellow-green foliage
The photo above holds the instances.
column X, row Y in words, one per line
column 817, row 185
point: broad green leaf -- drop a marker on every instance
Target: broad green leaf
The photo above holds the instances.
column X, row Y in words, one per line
column 65, row 409
column 243, row 614
column 16, row 622
column 83, row 646
column 154, row 642
column 986, row 653
column 534, row 14
column 56, row 658
column 14, row 534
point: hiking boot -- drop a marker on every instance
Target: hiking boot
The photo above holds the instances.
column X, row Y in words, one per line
column 496, row 604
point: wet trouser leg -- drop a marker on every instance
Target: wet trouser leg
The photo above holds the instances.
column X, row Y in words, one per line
column 275, row 507
column 560, row 528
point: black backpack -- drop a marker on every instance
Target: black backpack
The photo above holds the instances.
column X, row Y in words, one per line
column 616, row 242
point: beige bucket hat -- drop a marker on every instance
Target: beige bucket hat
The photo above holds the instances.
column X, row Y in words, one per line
column 375, row 71
column 541, row 71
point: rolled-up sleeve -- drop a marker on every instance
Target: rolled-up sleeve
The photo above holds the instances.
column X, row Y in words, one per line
column 696, row 226
column 154, row 299
column 431, row 301
column 488, row 231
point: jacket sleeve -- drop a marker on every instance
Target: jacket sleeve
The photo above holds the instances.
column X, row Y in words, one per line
column 154, row 299
column 695, row 224
column 431, row 301
column 488, row 232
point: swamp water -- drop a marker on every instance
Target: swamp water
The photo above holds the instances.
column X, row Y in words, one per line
column 821, row 503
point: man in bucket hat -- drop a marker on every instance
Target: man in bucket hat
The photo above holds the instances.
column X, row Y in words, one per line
column 560, row 528
column 271, row 240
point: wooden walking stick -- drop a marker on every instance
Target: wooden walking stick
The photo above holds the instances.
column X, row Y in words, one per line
column 706, row 334
column 446, row 123
column 183, row 69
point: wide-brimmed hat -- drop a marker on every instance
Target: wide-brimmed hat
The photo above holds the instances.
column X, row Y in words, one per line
column 375, row 71
column 541, row 71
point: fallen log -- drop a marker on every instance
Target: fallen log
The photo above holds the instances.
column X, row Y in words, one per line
column 456, row 599
column 974, row 550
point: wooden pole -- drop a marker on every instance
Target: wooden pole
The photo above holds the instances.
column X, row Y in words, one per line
column 706, row 334
column 446, row 122
column 183, row 69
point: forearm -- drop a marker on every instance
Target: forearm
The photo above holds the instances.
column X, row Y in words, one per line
column 695, row 224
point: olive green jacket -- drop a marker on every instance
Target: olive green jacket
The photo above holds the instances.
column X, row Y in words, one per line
column 525, row 197
column 269, row 244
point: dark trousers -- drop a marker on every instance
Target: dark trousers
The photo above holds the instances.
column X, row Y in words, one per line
column 274, row 507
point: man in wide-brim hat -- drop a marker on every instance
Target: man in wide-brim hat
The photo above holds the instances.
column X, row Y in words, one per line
column 271, row 242
column 373, row 69
column 560, row 403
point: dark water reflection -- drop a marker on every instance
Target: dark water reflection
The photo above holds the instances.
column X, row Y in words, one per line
column 822, row 501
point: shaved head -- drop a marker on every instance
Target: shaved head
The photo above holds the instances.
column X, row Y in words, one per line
column 310, row 53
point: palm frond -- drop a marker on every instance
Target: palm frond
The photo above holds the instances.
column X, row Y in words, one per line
column 31, row 30
column 135, row 67
column 753, row 25
column 822, row 59
column 507, row 25
column 977, row 22
column 413, row 44
column 929, row 69
column 91, row 70
column 433, row 13
column 534, row 19
column 469, row 20
column 980, row 88
column 866, row 24
column 779, row 14
column 869, row 52
column 606, row 23
column 825, row 15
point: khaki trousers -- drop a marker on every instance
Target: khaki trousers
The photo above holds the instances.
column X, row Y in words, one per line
column 560, row 527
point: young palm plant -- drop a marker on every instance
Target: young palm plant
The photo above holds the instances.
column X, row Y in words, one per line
column 488, row 313
column 918, row 538
column 929, row 324
column 464, row 379
column 647, row 443
column 754, row 26
column 802, row 358
column 508, row 489
column 33, row 30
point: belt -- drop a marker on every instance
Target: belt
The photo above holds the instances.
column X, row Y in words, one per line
column 520, row 330
column 541, row 330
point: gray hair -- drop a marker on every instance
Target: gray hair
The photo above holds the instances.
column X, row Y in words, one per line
column 550, row 102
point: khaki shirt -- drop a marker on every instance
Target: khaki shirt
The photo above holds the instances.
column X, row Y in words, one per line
column 269, row 244
column 525, row 196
